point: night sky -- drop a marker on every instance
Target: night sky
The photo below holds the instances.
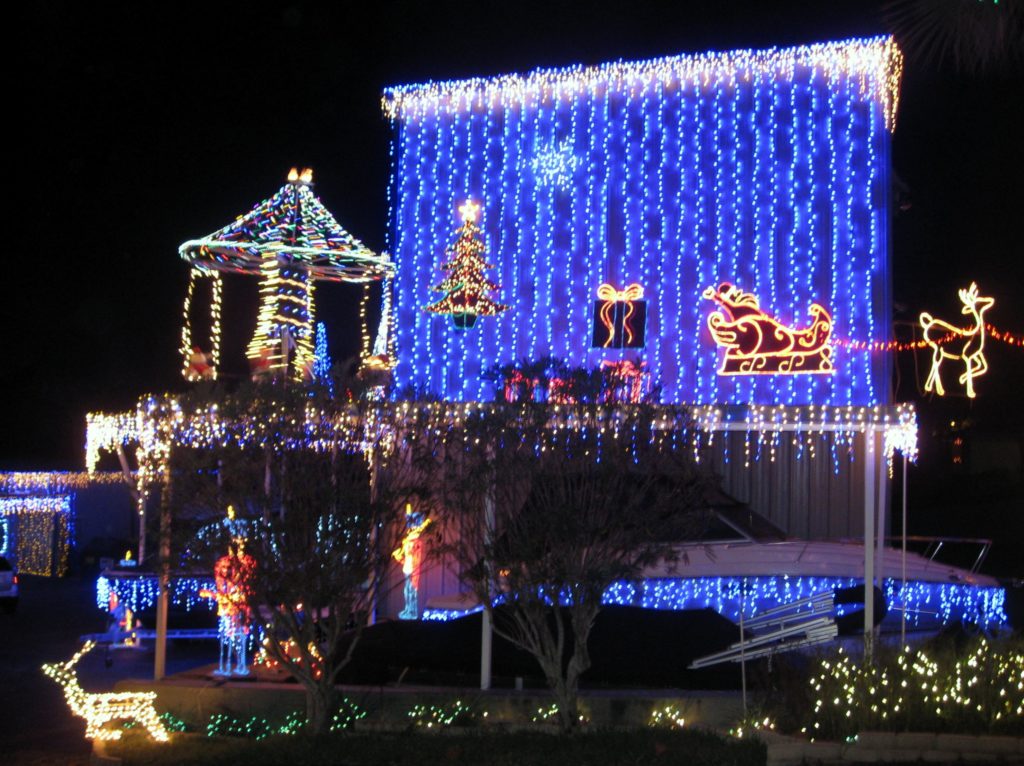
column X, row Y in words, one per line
column 135, row 130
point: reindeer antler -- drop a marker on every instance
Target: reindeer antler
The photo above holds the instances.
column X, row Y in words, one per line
column 86, row 648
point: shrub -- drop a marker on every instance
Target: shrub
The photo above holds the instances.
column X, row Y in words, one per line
column 668, row 717
column 978, row 689
column 438, row 716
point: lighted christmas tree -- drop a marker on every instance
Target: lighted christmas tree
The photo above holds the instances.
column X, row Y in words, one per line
column 465, row 287
column 322, row 363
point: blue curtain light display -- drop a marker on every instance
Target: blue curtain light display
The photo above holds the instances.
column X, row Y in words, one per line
column 768, row 170
column 928, row 604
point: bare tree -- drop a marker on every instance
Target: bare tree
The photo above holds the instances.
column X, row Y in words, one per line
column 975, row 37
column 323, row 504
column 321, row 566
column 550, row 508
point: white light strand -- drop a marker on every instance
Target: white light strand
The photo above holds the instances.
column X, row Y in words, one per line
column 875, row 63
column 188, row 370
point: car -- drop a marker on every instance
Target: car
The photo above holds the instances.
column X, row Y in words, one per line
column 8, row 586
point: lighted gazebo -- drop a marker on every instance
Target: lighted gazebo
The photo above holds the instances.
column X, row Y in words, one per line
column 290, row 241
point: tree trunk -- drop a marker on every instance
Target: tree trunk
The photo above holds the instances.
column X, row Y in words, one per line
column 321, row 702
column 542, row 635
column 565, row 691
column 567, row 698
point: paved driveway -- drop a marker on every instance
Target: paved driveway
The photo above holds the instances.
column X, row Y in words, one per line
column 36, row 726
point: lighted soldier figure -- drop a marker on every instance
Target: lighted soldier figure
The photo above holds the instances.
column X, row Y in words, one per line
column 231, row 574
column 120, row 628
column 122, row 622
column 408, row 555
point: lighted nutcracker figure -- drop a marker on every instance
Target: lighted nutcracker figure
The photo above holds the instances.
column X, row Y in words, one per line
column 231, row 576
column 408, row 555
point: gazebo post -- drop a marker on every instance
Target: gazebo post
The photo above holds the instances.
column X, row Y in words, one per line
column 163, row 596
column 486, row 642
column 486, row 625
column 882, row 486
column 869, row 540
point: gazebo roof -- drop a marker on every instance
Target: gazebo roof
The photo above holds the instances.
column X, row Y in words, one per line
column 295, row 224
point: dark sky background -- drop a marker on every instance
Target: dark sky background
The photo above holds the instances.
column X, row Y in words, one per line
column 138, row 126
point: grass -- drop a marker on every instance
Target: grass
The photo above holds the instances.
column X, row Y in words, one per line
column 593, row 748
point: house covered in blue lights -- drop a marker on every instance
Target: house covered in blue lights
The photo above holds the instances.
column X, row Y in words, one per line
column 655, row 182
column 714, row 226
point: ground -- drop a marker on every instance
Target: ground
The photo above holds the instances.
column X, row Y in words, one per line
column 36, row 726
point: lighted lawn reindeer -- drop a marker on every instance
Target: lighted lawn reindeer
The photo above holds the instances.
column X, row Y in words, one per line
column 99, row 709
column 968, row 344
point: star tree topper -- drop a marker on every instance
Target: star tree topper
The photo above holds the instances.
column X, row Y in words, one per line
column 465, row 287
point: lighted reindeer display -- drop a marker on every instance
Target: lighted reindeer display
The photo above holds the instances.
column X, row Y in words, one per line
column 968, row 344
column 99, row 709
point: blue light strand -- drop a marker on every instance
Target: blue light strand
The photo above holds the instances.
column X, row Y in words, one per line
column 701, row 262
column 833, row 181
column 734, row 194
column 391, row 191
column 415, row 294
column 573, row 243
column 813, row 245
column 531, row 239
column 602, row 231
column 489, row 184
column 718, row 211
column 927, row 603
column 670, row 317
column 448, row 375
column 589, row 237
column 473, row 185
column 851, row 234
column 773, row 128
column 141, row 593
column 546, row 218
column 739, row 158
column 406, row 333
column 510, row 201
column 786, row 310
column 657, row 231
column 650, row 269
column 760, row 223
column 873, row 271
column 623, row 271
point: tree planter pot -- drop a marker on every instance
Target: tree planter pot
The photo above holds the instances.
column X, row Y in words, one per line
column 464, row 321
